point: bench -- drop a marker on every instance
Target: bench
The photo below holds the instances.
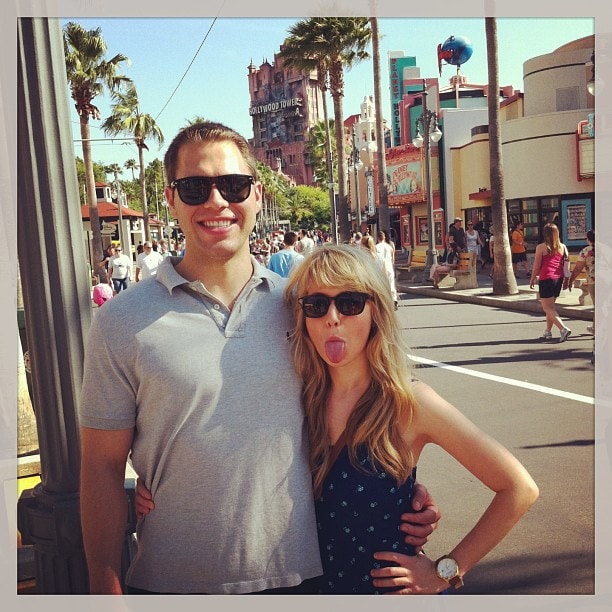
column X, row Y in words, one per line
column 416, row 263
column 463, row 276
column 465, row 273
column 581, row 281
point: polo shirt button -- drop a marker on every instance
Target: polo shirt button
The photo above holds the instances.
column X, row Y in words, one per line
column 216, row 307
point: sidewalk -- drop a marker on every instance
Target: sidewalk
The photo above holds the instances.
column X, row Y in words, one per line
column 526, row 300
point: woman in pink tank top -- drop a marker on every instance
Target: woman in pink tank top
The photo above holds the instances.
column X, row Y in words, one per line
column 548, row 266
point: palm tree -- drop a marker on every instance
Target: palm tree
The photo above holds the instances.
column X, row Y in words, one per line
column 195, row 120
column 317, row 151
column 383, row 196
column 131, row 164
column 274, row 187
column 127, row 118
column 504, row 282
column 88, row 74
column 336, row 43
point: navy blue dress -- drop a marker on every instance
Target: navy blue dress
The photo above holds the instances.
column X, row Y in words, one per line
column 358, row 514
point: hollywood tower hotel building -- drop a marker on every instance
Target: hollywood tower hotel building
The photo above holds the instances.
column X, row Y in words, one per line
column 285, row 103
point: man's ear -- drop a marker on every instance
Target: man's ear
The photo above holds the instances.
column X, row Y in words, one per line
column 169, row 193
column 258, row 194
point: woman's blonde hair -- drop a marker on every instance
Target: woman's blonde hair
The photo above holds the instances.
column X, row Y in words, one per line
column 385, row 409
column 368, row 243
column 551, row 238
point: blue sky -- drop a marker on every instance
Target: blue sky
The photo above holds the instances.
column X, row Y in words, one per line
column 211, row 58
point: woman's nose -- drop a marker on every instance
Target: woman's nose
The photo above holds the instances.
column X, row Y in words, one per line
column 332, row 316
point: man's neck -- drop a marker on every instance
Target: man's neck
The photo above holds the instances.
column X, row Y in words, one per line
column 224, row 279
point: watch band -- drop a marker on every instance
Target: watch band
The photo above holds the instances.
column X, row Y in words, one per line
column 456, row 582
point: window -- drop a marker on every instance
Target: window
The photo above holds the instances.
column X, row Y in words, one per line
column 567, row 99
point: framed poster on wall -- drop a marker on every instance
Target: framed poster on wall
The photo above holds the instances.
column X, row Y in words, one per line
column 406, row 238
column 422, row 231
column 575, row 221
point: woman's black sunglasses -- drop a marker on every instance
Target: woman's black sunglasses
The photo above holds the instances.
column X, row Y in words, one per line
column 348, row 303
column 194, row 190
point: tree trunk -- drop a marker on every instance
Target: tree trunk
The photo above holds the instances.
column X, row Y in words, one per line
column 330, row 170
column 384, row 222
column 504, row 282
column 143, row 192
column 92, row 202
column 337, row 92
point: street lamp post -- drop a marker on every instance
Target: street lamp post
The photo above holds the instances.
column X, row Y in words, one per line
column 356, row 165
column 428, row 122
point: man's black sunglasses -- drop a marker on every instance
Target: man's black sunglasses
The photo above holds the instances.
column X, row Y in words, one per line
column 194, row 190
column 348, row 303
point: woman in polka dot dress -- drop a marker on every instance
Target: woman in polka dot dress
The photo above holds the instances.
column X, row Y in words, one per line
column 368, row 424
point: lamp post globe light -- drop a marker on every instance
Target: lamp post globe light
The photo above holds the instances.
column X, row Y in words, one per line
column 355, row 166
column 428, row 124
column 591, row 81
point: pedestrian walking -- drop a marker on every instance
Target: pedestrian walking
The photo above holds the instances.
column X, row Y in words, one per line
column 548, row 268
column 147, row 262
column 518, row 249
column 586, row 261
column 101, row 292
column 474, row 243
column 457, row 233
column 119, row 270
column 283, row 261
column 387, row 254
column 305, row 243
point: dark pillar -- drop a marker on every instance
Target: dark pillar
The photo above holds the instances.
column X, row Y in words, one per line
column 57, row 306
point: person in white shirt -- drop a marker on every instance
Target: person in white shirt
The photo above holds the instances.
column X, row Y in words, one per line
column 305, row 244
column 387, row 254
column 119, row 270
column 147, row 262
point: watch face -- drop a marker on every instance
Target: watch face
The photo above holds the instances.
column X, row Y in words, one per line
column 447, row 568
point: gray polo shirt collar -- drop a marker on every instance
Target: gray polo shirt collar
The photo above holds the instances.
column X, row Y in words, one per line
column 230, row 322
column 170, row 278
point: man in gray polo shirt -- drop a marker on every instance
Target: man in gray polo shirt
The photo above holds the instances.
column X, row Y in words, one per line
column 187, row 364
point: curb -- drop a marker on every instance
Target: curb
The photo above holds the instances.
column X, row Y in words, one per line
column 524, row 301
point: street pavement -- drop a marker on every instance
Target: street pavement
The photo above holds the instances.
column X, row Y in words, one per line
column 526, row 300
column 536, row 398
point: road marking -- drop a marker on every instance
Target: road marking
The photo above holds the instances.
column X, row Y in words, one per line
column 507, row 381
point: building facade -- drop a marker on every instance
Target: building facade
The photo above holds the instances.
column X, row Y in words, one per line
column 548, row 139
column 284, row 104
column 547, row 136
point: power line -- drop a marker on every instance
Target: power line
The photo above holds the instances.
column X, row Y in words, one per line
column 187, row 70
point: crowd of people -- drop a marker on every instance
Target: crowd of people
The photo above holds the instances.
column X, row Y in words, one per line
column 283, row 251
column 121, row 269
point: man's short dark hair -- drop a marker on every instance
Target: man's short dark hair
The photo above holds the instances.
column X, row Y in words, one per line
column 205, row 132
column 290, row 238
